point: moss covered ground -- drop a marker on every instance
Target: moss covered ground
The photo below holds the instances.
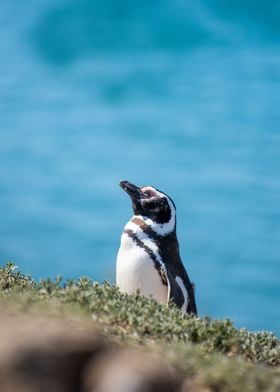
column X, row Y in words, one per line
column 220, row 356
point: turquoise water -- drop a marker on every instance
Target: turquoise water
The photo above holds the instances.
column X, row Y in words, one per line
column 183, row 97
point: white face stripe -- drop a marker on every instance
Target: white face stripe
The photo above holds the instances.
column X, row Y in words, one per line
column 147, row 241
column 153, row 191
column 160, row 228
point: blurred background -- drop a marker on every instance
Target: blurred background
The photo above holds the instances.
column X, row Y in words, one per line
column 182, row 95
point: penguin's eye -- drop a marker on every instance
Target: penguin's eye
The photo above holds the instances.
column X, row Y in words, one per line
column 148, row 193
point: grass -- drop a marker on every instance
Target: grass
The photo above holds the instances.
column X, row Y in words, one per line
column 213, row 352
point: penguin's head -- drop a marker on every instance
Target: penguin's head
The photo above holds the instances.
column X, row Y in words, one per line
column 155, row 207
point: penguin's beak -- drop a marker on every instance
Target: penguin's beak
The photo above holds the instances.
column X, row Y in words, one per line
column 132, row 190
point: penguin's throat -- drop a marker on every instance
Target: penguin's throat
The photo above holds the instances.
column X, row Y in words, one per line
column 162, row 229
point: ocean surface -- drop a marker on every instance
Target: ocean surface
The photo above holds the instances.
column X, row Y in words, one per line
column 181, row 95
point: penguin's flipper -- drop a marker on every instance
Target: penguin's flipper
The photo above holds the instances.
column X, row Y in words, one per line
column 175, row 293
column 191, row 308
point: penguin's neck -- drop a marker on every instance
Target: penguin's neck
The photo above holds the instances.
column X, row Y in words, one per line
column 160, row 228
column 167, row 245
column 144, row 225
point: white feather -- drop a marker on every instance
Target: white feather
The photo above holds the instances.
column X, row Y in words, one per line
column 135, row 268
column 184, row 291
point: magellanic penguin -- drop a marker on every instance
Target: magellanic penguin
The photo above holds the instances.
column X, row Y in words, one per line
column 148, row 259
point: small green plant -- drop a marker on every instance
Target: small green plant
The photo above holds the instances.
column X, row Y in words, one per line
column 10, row 279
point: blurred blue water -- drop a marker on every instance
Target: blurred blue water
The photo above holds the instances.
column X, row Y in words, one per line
column 180, row 95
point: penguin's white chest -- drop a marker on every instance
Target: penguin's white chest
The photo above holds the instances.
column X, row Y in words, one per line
column 136, row 271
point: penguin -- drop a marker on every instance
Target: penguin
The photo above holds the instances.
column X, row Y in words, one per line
column 148, row 259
